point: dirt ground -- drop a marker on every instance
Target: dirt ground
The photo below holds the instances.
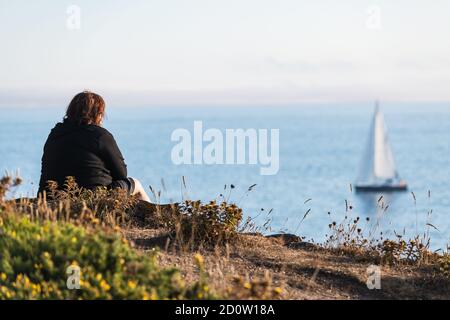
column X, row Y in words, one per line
column 302, row 270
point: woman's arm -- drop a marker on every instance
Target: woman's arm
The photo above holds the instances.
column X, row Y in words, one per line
column 112, row 157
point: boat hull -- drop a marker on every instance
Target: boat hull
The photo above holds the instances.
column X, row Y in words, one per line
column 386, row 188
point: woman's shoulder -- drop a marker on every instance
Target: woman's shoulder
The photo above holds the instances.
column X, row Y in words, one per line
column 97, row 129
column 66, row 127
column 102, row 134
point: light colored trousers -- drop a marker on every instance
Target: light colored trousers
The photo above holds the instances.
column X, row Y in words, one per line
column 138, row 189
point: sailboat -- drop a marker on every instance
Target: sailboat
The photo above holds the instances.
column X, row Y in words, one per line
column 378, row 171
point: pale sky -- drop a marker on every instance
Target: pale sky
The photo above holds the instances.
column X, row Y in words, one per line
column 146, row 52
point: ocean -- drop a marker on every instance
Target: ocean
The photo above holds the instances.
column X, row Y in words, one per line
column 320, row 151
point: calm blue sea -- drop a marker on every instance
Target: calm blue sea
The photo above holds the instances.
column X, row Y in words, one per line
column 320, row 151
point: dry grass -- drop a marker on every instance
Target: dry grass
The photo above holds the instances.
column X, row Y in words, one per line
column 296, row 270
column 204, row 243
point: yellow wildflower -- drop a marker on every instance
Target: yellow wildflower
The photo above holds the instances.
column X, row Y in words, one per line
column 3, row 276
column 104, row 285
column 26, row 282
column 199, row 259
column 154, row 295
column 132, row 284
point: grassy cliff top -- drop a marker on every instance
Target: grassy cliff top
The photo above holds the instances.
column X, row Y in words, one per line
column 127, row 249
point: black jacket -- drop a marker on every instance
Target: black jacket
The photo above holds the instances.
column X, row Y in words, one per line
column 87, row 152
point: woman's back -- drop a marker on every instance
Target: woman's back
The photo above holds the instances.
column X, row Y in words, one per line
column 80, row 148
column 87, row 152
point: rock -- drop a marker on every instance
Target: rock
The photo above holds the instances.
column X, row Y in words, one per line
column 292, row 241
column 285, row 238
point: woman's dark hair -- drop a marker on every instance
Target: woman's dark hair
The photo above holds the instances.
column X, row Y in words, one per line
column 86, row 108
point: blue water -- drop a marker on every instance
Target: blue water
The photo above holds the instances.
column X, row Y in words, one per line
column 320, row 151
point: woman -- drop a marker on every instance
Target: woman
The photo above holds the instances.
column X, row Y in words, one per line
column 79, row 147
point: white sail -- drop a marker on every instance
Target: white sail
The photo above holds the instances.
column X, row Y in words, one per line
column 378, row 164
column 366, row 175
column 384, row 163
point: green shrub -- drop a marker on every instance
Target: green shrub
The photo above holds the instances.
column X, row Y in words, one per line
column 443, row 265
column 111, row 207
column 194, row 223
column 34, row 257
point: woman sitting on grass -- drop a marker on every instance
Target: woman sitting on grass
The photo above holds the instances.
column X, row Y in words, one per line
column 79, row 147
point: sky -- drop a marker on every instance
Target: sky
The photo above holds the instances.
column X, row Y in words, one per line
column 219, row 52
